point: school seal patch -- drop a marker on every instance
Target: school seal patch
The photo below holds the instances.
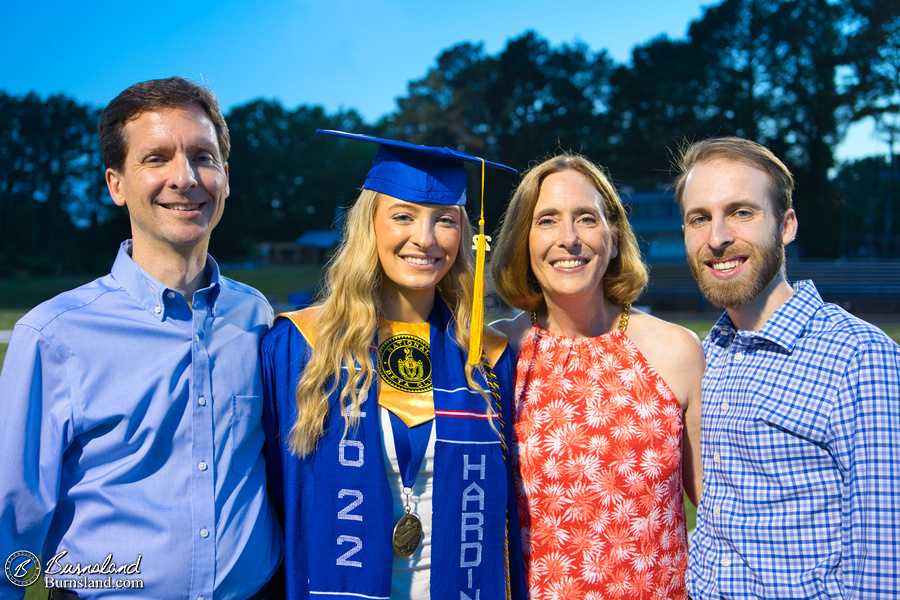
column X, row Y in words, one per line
column 404, row 363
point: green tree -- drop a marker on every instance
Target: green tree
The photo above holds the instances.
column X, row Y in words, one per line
column 434, row 112
column 873, row 56
column 654, row 103
column 515, row 108
column 865, row 188
column 769, row 71
column 284, row 178
column 874, row 61
column 49, row 155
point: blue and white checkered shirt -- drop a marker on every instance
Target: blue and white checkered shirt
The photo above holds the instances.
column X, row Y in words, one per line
column 801, row 458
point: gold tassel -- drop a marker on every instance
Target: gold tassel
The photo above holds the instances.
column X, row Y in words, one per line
column 480, row 246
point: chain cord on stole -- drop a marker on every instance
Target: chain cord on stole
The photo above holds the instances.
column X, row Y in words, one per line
column 494, row 386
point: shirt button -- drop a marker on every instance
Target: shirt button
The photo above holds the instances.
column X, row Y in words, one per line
column 202, row 466
column 716, row 459
column 200, row 598
column 170, row 294
column 197, row 338
column 204, row 533
column 157, row 310
column 738, row 356
column 201, row 401
column 716, row 511
column 726, row 562
column 724, row 406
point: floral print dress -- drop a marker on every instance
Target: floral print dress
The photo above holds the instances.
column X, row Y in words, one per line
column 598, row 470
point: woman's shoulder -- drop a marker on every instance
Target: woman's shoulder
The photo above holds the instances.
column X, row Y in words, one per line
column 648, row 327
column 673, row 351
column 665, row 344
column 515, row 329
column 494, row 342
column 288, row 324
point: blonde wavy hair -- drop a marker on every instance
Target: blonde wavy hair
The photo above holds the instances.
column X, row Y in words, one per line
column 511, row 272
column 347, row 322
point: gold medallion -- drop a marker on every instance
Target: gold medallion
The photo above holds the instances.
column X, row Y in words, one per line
column 407, row 535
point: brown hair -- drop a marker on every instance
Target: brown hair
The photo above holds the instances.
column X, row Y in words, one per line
column 148, row 95
column 741, row 150
column 513, row 278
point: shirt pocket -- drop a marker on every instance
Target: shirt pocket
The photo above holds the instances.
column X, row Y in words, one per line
column 247, row 434
column 804, row 419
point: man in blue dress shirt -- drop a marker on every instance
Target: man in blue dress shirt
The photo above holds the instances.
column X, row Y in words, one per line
column 801, row 403
column 131, row 433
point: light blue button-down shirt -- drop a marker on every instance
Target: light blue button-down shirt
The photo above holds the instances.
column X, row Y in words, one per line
column 131, row 426
column 801, row 458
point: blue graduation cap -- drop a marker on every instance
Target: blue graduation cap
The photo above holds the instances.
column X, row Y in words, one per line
column 417, row 173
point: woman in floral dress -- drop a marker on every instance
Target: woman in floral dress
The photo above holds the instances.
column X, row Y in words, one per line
column 607, row 398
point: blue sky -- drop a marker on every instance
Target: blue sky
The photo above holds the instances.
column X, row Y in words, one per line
column 334, row 53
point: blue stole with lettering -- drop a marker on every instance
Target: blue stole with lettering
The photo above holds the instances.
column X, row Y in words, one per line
column 351, row 555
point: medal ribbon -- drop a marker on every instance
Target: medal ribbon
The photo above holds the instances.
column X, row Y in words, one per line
column 411, row 443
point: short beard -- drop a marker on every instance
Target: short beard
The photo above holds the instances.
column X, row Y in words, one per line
column 737, row 294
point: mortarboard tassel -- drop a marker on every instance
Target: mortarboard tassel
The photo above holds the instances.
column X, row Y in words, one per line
column 480, row 246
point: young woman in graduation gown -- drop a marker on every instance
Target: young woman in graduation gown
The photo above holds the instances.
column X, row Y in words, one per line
column 387, row 449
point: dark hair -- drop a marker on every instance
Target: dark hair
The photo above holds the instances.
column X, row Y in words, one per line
column 741, row 150
column 148, row 95
column 626, row 276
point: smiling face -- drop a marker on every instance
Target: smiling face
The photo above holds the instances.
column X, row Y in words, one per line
column 417, row 244
column 570, row 243
column 733, row 237
column 173, row 182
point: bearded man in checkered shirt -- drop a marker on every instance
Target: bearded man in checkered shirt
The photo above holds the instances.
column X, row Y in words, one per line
column 801, row 403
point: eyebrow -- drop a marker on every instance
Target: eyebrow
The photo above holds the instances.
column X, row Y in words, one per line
column 744, row 203
column 164, row 148
column 730, row 207
column 418, row 208
column 579, row 210
column 696, row 209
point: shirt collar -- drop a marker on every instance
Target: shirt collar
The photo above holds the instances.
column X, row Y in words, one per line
column 150, row 293
column 211, row 270
column 786, row 325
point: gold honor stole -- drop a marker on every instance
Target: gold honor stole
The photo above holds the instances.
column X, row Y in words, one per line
column 404, row 362
column 404, row 371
